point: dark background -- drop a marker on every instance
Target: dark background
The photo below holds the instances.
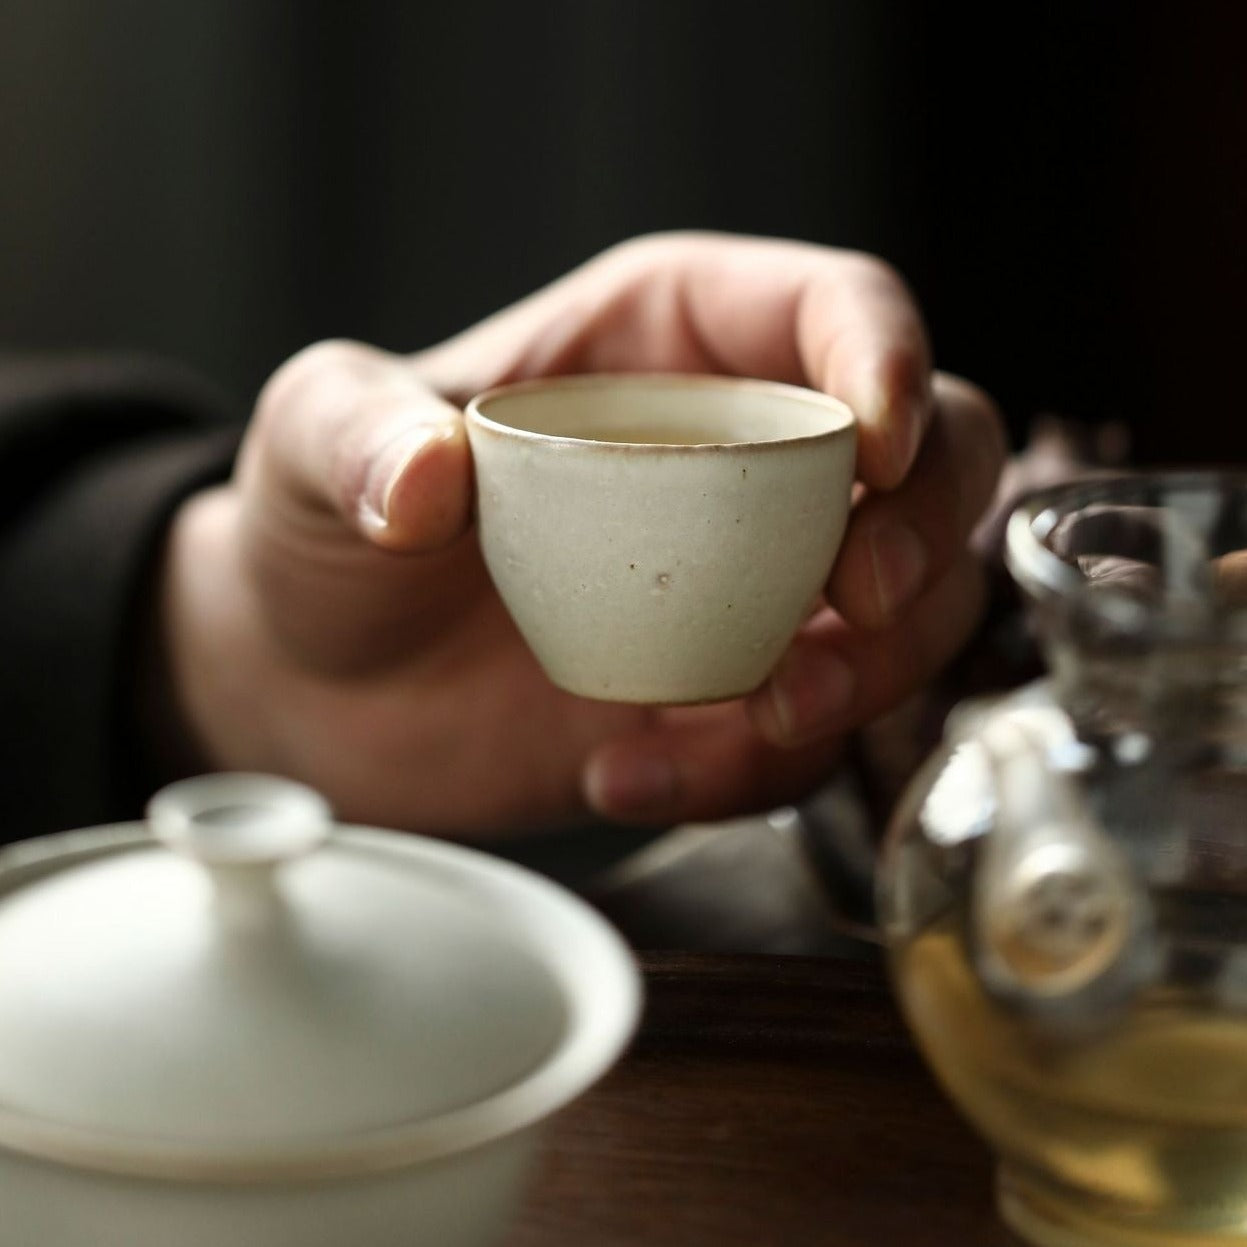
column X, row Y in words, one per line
column 223, row 181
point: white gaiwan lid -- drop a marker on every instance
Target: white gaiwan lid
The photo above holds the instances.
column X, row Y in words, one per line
column 247, row 991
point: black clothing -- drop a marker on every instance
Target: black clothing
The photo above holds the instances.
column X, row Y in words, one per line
column 95, row 455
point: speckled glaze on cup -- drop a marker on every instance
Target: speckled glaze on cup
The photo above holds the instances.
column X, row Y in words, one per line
column 659, row 539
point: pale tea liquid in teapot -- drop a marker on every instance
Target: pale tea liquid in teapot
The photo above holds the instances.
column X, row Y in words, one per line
column 1138, row 1127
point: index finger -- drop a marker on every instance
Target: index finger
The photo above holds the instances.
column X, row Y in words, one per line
column 839, row 321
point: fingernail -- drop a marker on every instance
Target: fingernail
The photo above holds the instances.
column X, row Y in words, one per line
column 809, row 696
column 898, row 417
column 630, row 784
column 387, row 469
column 868, row 401
column 899, row 559
column 909, row 439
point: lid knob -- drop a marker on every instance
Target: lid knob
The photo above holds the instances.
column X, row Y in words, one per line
column 240, row 820
column 241, row 827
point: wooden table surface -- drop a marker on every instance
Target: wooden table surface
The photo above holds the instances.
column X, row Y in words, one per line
column 768, row 1101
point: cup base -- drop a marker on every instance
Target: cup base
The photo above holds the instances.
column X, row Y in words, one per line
column 1049, row 1215
column 624, row 691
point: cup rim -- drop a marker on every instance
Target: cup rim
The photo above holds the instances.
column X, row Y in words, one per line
column 475, row 413
column 600, row 1025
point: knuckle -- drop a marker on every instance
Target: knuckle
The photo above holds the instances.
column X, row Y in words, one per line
column 871, row 271
column 646, row 251
column 305, row 434
column 305, row 371
column 991, row 454
column 330, row 356
column 980, row 436
column 971, row 403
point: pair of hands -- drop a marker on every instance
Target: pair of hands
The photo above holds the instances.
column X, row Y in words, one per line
column 327, row 614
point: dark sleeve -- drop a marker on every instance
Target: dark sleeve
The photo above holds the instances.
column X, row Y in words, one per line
column 95, row 455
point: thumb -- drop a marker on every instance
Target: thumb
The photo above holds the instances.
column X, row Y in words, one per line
column 349, row 430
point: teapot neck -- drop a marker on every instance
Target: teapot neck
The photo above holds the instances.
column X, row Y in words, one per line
column 1182, row 700
column 1137, row 587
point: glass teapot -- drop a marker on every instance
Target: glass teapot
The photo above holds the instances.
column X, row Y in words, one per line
column 1063, row 889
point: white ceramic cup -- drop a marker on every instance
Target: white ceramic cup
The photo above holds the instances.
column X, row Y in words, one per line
column 659, row 539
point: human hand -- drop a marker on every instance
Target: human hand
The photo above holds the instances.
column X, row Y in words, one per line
column 327, row 614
